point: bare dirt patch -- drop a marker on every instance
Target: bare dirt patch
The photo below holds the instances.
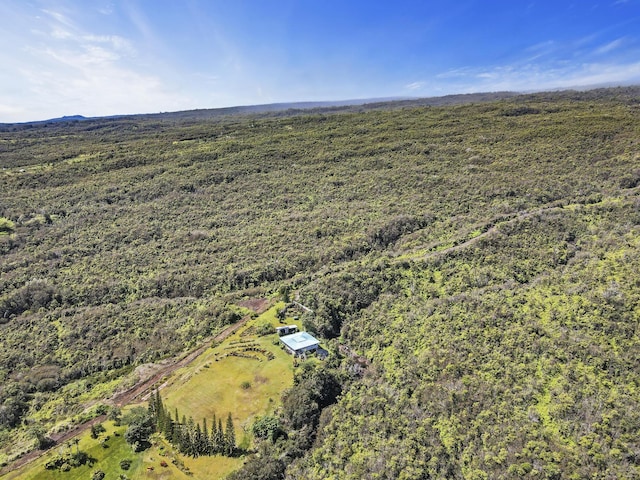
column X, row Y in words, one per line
column 259, row 379
column 258, row 305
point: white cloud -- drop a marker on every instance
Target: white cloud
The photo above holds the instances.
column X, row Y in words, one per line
column 415, row 86
column 60, row 33
column 64, row 69
column 59, row 17
column 531, row 77
column 610, row 46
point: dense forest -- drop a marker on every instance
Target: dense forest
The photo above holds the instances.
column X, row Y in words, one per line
column 471, row 267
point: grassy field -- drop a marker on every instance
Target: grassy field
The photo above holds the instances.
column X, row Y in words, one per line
column 106, row 459
column 215, row 383
column 219, row 383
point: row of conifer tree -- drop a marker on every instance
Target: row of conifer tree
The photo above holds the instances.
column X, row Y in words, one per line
column 190, row 437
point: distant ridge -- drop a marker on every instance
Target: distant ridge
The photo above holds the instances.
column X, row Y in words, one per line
column 353, row 105
column 361, row 105
column 292, row 108
column 66, row 118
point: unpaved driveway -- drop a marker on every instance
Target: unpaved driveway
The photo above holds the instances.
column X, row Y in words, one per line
column 128, row 396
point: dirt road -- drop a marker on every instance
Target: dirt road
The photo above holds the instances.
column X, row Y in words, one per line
column 128, row 396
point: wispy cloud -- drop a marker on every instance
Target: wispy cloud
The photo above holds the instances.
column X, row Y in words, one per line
column 106, row 10
column 415, row 86
column 545, row 46
column 609, row 47
column 58, row 17
column 88, row 73
column 531, row 77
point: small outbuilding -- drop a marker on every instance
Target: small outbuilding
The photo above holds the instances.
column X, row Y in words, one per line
column 288, row 330
column 300, row 343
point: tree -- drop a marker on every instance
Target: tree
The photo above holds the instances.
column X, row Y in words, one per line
column 96, row 430
column 191, row 433
column 157, row 410
column 220, row 437
column 184, row 435
column 285, row 293
column 230, row 436
column 141, row 426
column 264, row 466
column 267, row 427
column 39, row 433
column 12, row 409
column 213, row 442
column 205, row 439
column 114, row 415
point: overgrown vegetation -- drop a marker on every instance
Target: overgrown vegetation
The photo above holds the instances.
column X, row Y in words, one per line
column 473, row 266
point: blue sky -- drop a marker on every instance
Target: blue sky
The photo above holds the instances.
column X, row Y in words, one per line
column 106, row 57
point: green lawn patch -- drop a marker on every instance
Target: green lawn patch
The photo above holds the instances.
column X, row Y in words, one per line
column 222, row 381
column 215, row 383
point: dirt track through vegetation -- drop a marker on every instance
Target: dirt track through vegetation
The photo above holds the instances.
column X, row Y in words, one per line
column 493, row 229
column 128, row 396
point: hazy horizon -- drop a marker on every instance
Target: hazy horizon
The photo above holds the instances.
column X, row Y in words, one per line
column 127, row 57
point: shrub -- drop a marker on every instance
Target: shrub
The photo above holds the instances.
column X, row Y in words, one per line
column 6, row 226
column 98, row 475
column 267, row 427
column 630, row 180
column 125, row 464
column 79, row 458
column 96, row 430
column 54, row 463
column 264, row 328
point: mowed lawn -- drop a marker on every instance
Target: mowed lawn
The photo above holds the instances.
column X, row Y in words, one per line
column 218, row 383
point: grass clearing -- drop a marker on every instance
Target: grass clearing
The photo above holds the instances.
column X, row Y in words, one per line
column 214, row 383
column 106, row 459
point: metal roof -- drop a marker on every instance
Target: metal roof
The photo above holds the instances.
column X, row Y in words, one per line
column 299, row 341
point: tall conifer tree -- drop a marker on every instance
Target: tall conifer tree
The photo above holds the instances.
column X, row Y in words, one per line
column 220, row 437
column 230, row 436
column 206, row 441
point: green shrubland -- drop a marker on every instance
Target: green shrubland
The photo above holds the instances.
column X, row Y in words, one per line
column 472, row 267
